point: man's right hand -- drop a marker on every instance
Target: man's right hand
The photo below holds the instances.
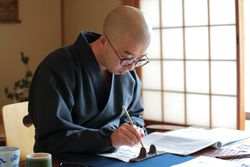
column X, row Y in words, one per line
column 127, row 135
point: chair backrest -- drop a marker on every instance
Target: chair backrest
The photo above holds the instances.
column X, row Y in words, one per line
column 18, row 135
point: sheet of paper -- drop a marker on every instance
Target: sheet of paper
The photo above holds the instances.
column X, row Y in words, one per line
column 227, row 136
column 204, row 161
column 222, row 136
column 124, row 153
column 241, row 147
column 176, row 145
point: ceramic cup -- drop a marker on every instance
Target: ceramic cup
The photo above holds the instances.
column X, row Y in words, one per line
column 38, row 160
column 9, row 156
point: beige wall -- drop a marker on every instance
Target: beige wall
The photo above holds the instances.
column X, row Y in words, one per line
column 87, row 15
column 38, row 33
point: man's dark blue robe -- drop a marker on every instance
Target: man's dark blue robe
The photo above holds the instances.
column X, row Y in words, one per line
column 70, row 105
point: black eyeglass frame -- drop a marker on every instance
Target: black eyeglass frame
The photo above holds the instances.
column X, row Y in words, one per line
column 129, row 61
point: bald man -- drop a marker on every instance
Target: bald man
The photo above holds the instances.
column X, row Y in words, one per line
column 77, row 92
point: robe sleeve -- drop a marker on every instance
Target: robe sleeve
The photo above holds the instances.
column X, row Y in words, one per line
column 51, row 101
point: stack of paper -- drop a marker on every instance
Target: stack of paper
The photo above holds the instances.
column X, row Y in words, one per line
column 190, row 140
column 182, row 142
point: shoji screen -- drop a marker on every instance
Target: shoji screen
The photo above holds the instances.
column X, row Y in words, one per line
column 192, row 75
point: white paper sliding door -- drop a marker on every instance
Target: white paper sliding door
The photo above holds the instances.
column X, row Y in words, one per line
column 193, row 75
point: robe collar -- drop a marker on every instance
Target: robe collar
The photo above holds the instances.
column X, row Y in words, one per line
column 91, row 65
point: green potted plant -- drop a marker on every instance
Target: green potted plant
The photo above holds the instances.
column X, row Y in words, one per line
column 20, row 90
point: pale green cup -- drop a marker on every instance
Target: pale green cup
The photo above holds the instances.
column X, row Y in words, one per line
column 38, row 160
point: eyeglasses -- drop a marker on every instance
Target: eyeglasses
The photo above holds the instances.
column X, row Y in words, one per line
column 129, row 61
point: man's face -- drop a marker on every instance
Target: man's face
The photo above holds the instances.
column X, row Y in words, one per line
column 120, row 58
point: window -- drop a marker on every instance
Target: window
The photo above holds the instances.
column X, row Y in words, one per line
column 194, row 73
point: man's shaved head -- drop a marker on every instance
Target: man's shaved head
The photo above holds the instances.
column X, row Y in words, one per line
column 126, row 21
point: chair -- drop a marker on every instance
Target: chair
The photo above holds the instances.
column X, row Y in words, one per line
column 18, row 135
